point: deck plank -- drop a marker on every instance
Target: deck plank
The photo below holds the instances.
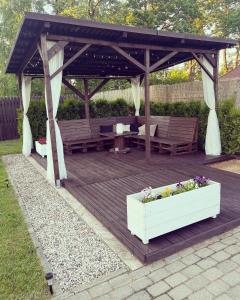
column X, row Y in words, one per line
column 101, row 181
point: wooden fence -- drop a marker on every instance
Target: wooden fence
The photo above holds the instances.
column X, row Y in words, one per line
column 8, row 118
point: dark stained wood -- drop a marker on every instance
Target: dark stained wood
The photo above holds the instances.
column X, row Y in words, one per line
column 162, row 61
column 50, row 106
column 203, row 67
column 75, row 56
column 147, row 105
column 73, row 88
column 98, row 87
column 56, row 48
column 126, row 45
column 129, row 58
column 101, row 181
column 177, row 135
column 86, row 98
column 77, row 135
column 215, row 75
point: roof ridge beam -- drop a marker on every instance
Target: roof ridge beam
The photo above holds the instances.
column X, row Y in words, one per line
column 125, row 44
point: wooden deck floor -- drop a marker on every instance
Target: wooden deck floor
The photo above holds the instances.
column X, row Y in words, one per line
column 101, row 181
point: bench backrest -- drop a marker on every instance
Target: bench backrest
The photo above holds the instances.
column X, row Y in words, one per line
column 181, row 128
column 72, row 130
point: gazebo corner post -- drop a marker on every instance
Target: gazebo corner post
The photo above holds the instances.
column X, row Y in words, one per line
column 19, row 77
column 86, row 99
column 215, row 82
column 147, row 105
column 49, row 106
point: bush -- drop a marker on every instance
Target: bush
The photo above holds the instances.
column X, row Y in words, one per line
column 229, row 116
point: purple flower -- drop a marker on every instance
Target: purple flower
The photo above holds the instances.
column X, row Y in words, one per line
column 201, row 180
column 179, row 185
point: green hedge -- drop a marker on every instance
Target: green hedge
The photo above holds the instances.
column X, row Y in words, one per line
column 229, row 116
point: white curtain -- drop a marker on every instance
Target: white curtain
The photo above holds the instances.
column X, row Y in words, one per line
column 55, row 62
column 136, row 93
column 213, row 140
column 27, row 133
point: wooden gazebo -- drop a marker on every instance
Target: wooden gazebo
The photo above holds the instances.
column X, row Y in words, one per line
column 93, row 50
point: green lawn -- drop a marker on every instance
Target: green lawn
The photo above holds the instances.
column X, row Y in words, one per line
column 21, row 274
column 10, row 147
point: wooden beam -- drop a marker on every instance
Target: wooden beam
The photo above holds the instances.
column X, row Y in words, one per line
column 56, row 48
column 73, row 88
column 210, row 59
column 50, row 107
column 129, row 57
column 162, row 61
column 215, row 74
column 75, row 56
column 20, row 91
column 86, row 99
column 124, row 44
column 98, row 87
column 147, row 106
column 203, row 67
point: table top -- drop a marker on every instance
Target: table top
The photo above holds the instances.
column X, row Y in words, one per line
column 114, row 134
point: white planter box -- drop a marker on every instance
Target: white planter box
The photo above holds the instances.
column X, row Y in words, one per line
column 152, row 219
column 41, row 149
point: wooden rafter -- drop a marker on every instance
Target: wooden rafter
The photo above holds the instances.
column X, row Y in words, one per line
column 203, row 67
column 75, row 56
column 129, row 57
column 73, row 88
column 210, row 59
column 56, row 48
column 163, row 60
column 98, row 87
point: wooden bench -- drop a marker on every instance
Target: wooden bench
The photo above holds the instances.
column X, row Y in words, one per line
column 77, row 135
column 177, row 135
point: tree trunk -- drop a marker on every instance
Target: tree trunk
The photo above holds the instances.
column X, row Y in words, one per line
column 236, row 57
column 225, row 65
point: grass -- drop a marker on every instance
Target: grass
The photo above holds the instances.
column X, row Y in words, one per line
column 21, row 274
column 10, row 147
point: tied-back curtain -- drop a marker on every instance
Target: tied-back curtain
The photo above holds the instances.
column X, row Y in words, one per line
column 54, row 64
column 27, row 133
column 136, row 93
column 213, row 139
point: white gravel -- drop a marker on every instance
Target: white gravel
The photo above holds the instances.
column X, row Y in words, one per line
column 75, row 253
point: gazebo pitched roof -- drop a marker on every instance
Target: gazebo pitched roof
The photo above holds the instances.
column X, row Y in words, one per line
column 100, row 60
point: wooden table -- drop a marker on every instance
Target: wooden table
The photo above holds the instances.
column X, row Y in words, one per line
column 119, row 145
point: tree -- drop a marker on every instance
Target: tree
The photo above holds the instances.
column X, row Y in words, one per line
column 11, row 14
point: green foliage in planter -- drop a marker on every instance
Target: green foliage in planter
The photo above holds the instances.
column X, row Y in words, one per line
column 71, row 110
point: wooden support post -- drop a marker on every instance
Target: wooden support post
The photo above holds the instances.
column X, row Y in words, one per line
column 215, row 82
column 147, row 105
column 20, row 92
column 50, row 107
column 86, row 99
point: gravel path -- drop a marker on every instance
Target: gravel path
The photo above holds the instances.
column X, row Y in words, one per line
column 75, row 253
